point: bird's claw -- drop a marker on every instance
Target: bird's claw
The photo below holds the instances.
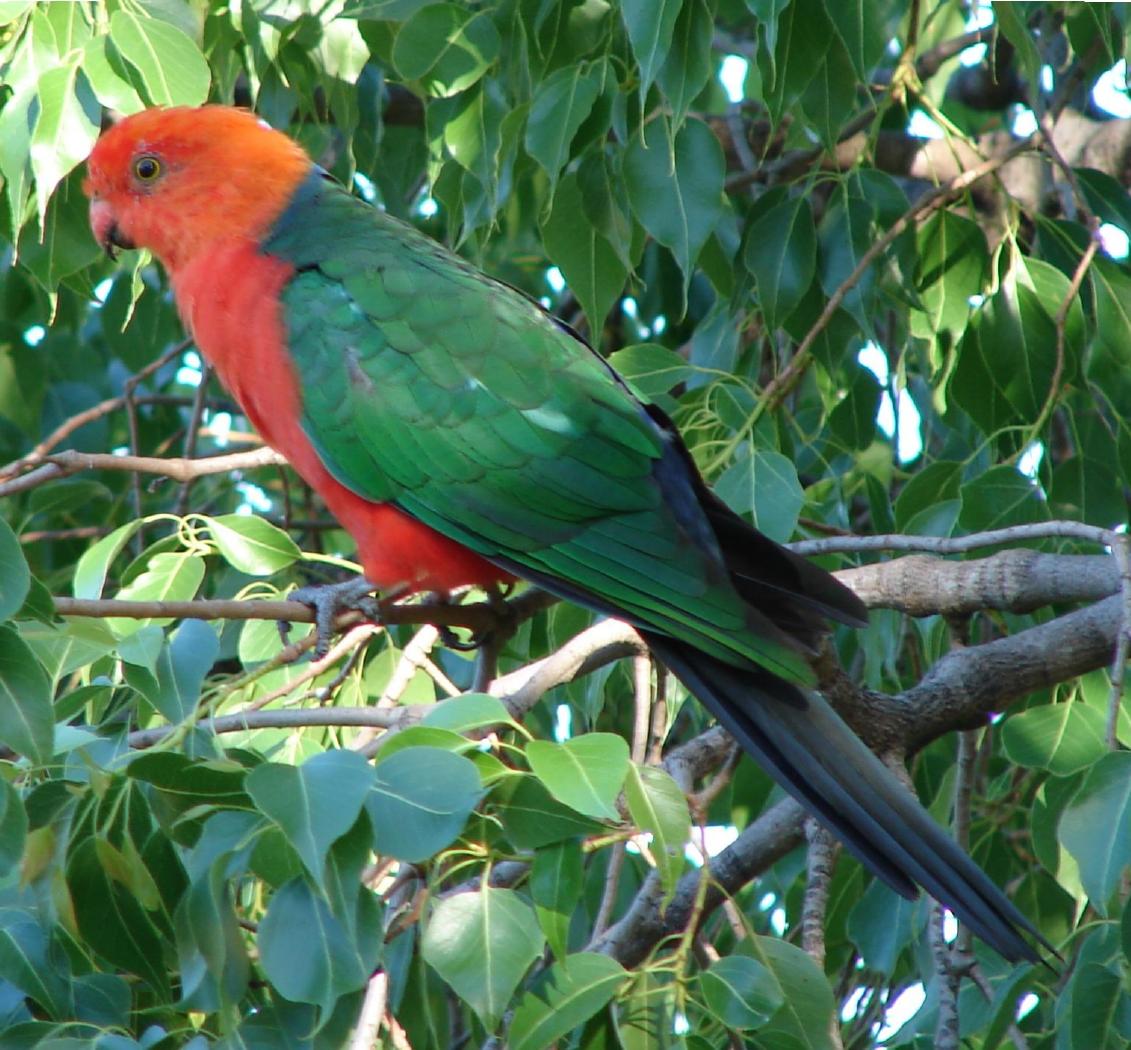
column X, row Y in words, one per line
column 496, row 599
column 328, row 601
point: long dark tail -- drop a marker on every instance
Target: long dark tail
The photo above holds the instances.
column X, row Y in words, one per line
column 813, row 754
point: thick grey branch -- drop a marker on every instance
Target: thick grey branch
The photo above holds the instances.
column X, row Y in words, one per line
column 1018, row 581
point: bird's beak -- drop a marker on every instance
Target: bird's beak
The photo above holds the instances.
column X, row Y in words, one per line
column 105, row 228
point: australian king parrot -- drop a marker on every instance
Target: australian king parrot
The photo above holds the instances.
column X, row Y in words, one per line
column 462, row 435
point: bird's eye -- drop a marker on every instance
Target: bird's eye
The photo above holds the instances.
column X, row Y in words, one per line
column 147, row 169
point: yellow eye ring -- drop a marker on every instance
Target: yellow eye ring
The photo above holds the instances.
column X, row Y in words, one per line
column 147, row 169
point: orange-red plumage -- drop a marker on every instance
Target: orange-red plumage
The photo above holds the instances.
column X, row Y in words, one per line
column 204, row 221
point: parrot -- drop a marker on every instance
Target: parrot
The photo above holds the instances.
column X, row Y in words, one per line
column 462, row 435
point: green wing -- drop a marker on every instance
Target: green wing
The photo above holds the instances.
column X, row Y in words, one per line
column 428, row 385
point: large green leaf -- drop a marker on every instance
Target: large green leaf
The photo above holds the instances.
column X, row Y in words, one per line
column 170, row 576
column 555, row 886
column 1096, row 827
column 859, row 24
column 482, row 943
column 676, row 193
column 659, row 808
column 590, row 265
column 13, row 828
column 315, row 803
column 181, row 668
column 689, row 64
column 650, row 24
column 421, row 799
column 741, row 992
column 27, row 721
column 253, row 545
column 764, row 485
column 446, row 47
column 1001, row 496
column 15, row 577
column 807, row 1010
column 110, row 917
column 586, row 772
column 169, row 65
column 560, row 105
column 564, row 997
column 65, row 129
column 1062, row 738
column 307, row 953
column 781, row 253
column 28, row 962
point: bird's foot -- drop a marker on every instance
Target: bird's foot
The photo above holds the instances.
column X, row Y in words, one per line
column 329, row 600
column 496, row 599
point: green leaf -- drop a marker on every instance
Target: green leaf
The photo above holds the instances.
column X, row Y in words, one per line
column 559, row 108
column 421, row 799
column 307, row 953
column 15, row 577
column 446, row 47
column 953, row 259
column 13, row 828
column 555, row 888
column 590, row 265
column 781, row 253
column 532, row 818
column 66, row 245
column 173, row 72
column 807, row 1009
column 564, row 997
column 650, row 369
column 650, row 24
column 170, row 576
column 210, row 945
column 252, row 545
column 764, row 485
column 881, row 925
column 861, row 29
column 466, row 712
column 1097, row 992
column 65, row 130
column 658, row 807
column 1096, row 827
column 481, row 944
column 853, row 418
column 1001, row 496
column 92, row 567
column 111, row 920
column 688, row 66
column 315, row 803
column 28, row 962
column 109, row 80
column 741, row 992
column 677, row 198
column 926, row 488
column 586, row 772
column 1062, row 738
column 27, row 720
column 847, row 232
column 1007, row 358
column 181, row 669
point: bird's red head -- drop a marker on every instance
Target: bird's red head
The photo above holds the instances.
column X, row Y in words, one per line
column 179, row 181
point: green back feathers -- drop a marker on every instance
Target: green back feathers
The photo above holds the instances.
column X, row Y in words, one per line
column 431, row 386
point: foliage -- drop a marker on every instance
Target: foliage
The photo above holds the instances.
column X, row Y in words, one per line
column 778, row 273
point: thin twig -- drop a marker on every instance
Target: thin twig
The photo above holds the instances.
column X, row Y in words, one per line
column 64, row 464
column 70, row 425
column 1065, row 530
column 372, row 1010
